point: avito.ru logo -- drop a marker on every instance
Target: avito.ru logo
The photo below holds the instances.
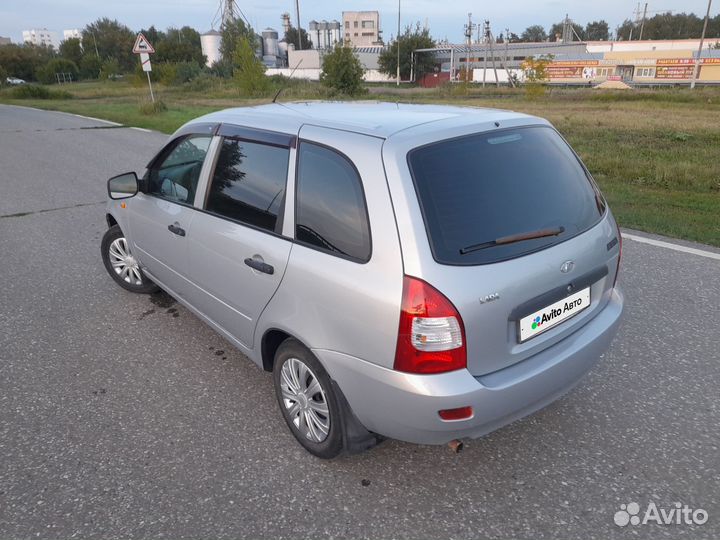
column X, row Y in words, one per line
column 681, row 514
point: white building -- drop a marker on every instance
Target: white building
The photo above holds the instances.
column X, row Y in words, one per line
column 73, row 33
column 40, row 37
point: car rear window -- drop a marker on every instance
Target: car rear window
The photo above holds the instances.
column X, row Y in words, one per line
column 493, row 186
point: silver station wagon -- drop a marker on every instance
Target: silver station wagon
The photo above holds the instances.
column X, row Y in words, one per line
column 424, row 273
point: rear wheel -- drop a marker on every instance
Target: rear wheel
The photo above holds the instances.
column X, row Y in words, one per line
column 307, row 400
column 122, row 265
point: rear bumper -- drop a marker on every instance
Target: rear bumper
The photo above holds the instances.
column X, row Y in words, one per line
column 405, row 407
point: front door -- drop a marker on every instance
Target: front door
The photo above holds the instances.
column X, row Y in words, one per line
column 626, row 72
column 161, row 216
column 237, row 255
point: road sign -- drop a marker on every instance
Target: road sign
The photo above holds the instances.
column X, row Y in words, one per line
column 142, row 45
column 145, row 61
column 144, row 49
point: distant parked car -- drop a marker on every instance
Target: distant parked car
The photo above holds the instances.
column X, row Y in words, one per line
column 410, row 271
column 14, row 81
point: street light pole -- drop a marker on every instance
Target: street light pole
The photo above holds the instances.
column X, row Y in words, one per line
column 398, row 46
column 702, row 39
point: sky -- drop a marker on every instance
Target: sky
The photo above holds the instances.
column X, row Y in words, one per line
column 444, row 20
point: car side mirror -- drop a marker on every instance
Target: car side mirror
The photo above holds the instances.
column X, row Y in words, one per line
column 123, row 186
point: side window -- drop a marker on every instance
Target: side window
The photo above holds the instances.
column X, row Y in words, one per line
column 176, row 176
column 249, row 183
column 330, row 211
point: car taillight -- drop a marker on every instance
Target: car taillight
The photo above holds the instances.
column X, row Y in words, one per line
column 431, row 337
column 617, row 270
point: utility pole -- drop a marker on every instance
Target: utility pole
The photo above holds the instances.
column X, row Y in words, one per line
column 490, row 38
column 505, row 64
column 637, row 21
column 642, row 25
column 699, row 54
column 468, row 42
column 398, row 46
column 95, row 42
column 297, row 12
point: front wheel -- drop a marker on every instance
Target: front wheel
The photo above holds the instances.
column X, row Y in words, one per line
column 122, row 265
column 307, row 400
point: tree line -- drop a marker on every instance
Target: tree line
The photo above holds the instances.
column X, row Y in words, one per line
column 104, row 51
column 660, row 26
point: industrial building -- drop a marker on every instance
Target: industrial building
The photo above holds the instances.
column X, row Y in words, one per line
column 576, row 63
column 324, row 35
column 5, row 40
column 307, row 64
column 361, row 28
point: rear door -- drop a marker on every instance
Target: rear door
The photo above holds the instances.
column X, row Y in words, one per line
column 236, row 253
column 515, row 230
column 161, row 216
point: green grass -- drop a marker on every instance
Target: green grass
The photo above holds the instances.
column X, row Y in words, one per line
column 655, row 153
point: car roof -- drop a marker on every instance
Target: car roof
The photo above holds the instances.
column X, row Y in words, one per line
column 379, row 119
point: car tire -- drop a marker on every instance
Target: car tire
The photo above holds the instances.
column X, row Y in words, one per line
column 121, row 265
column 307, row 400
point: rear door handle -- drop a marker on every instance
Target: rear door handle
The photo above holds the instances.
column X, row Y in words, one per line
column 176, row 230
column 260, row 266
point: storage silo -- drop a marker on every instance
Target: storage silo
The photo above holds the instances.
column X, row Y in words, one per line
column 323, row 31
column 335, row 35
column 283, row 52
column 270, row 42
column 314, row 33
column 210, row 44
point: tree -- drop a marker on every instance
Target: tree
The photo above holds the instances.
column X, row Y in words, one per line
column 46, row 74
column 534, row 33
column 713, row 29
column 23, row 61
column 291, row 36
column 342, row 71
column 410, row 40
column 672, row 26
column 557, row 30
column 178, row 45
column 90, row 66
column 109, row 70
column 153, row 35
column 535, row 67
column 597, row 31
column 625, row 30
column 249, row 71
column 113, row 39
column 71, row 49
column 231, row 34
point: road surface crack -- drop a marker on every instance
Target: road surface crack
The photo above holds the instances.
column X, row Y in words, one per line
column 60, row 129
column 22, row 214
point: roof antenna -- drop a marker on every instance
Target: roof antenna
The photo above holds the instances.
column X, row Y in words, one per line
column 289, row 77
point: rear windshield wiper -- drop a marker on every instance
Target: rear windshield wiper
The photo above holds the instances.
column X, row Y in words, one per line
column 511, row 239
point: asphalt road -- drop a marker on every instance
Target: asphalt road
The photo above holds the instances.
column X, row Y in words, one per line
column 124, row 416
